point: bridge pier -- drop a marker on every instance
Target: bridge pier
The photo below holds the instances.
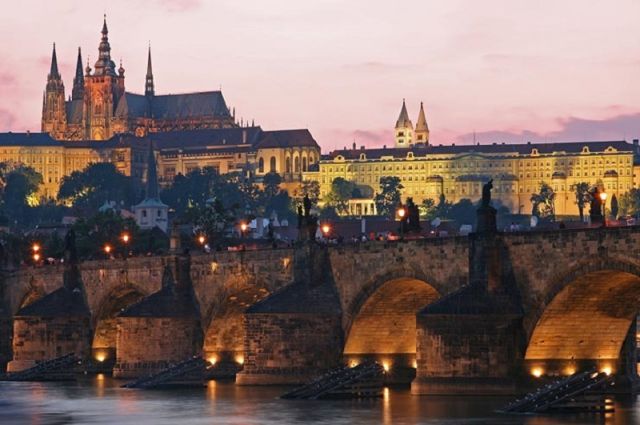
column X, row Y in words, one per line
column 296, row 333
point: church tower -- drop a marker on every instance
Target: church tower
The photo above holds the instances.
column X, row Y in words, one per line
column 78, row 81
column 404, row 129
column 422, row 129
column 149, row 90
column 103, row 90
column 54, row 117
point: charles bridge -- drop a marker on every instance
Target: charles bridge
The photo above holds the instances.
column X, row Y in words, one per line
column 476, row 313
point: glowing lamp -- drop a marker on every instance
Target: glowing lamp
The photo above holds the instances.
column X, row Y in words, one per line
column 386, row 366
column 243, row 227
column 239, row 359
column 606, row 370
column 125, row 237
column 401, row 212
column 107, row 249
column 201, row 239
column 603, row 196
column 536, row 372
column 36, row 257
column 325, row 229
column 101, row 357
column 35, row 247
column 213, row 360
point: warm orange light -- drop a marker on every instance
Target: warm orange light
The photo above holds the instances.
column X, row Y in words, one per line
column 107, row 248
column 386, row 366
column 537, row 372
column 606, row 370
column 213, row 360
column 202, row 239
column 239, row 359
column 353, row 363
column 243, row 227
column 325, row 229
column 414, row 364
column 36, row 257
column 401, row 212
column 603, row 196
column 101, row 357
column 125, row 237
column 35, row 247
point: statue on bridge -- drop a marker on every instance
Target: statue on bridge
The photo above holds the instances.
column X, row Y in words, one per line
column 486, row 193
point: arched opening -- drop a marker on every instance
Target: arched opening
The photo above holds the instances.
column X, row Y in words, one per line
column 261, row 165
column 296, row 164
column 272, row 165
column 589, row 323
column 304, row 163
column 384, row 326
column 287, row 163
column 103, row 346
column 224, row 337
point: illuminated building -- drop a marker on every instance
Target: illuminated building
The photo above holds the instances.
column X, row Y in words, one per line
column 459, row 171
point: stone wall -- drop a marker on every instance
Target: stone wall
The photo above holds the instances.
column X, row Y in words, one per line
column 289, row 348
column 45, row 338
column 147, row 344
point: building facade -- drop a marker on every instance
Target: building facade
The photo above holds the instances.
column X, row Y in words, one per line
column 458, row 172
column 99, row 106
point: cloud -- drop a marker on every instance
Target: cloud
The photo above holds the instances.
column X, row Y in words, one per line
column 619, row 127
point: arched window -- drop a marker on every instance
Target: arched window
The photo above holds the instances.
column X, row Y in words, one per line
column 272, row 164
column 261, row 165
column 296, row 164
column 287, row 165
column 304, row 164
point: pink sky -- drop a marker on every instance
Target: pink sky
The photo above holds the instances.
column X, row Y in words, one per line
column 511, row 70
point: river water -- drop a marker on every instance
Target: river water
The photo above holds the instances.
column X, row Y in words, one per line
column 100, row 400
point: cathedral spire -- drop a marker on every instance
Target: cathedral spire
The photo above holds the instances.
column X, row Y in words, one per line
column 53, row 72
column 149, row 89
column 404, row 128
column 104, row 65
column 78, row 80
column 422, row 128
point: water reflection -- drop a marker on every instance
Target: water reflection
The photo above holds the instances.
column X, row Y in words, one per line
column 100, row 400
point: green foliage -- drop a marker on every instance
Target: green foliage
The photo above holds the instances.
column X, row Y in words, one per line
column 18, row 192
column 428, row 209
column 310, row 188
column 341, row 191
column 463, row 212
column 629, row 203
column 94, row 232
column 388, row 199
column 543, row 203
column 614, row 207
column 88, row 189
column 583, row 196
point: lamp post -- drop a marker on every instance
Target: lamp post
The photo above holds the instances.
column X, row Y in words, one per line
column 603, row 198
column 243, row 229
column 402, row 213
column 35, row 248
column 107, row 250
column 125, row 239
column 325, row 230
column 202, row 240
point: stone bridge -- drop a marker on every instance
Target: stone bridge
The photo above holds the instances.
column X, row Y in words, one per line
column 492, row 307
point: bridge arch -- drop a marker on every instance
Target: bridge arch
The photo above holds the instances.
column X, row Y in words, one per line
column 382, row 322
column 586, row 320
column 103, row 320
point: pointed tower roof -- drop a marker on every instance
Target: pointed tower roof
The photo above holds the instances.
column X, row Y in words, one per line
column 403, row 118
column 78, row 81
column 421, row 125
column 53, row 72
column 149, row 89
column 104, row 64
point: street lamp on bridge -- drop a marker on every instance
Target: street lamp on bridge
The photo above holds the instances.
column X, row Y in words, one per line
column 603, row 198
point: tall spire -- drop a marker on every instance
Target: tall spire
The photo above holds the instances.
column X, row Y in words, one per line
column 404, row 128
column 403, row 118
column 422, row 128
column 78, row 80
column 149, row 89
column 53, row 72
column 104, row 65
column 152, row 175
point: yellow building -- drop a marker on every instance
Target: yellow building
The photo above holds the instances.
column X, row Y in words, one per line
column 240, row 149
column 459, row 171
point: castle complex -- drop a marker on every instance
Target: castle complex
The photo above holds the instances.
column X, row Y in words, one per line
column 101, row 122
column 458, row 172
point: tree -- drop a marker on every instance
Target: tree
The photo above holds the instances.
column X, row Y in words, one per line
column 543, row 203
column 310, row 188
column 388, row 199
column 444, row 207
column 341, row 191
column 428, row 209
column 271, row 182
column 463, row 212
column 629, row 203
column 583, row 196
column 614, row 207
column 94, row 232
column 19, row 192
column 88, row 189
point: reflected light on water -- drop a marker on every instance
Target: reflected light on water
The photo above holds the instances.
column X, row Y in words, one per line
column 387, row 419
